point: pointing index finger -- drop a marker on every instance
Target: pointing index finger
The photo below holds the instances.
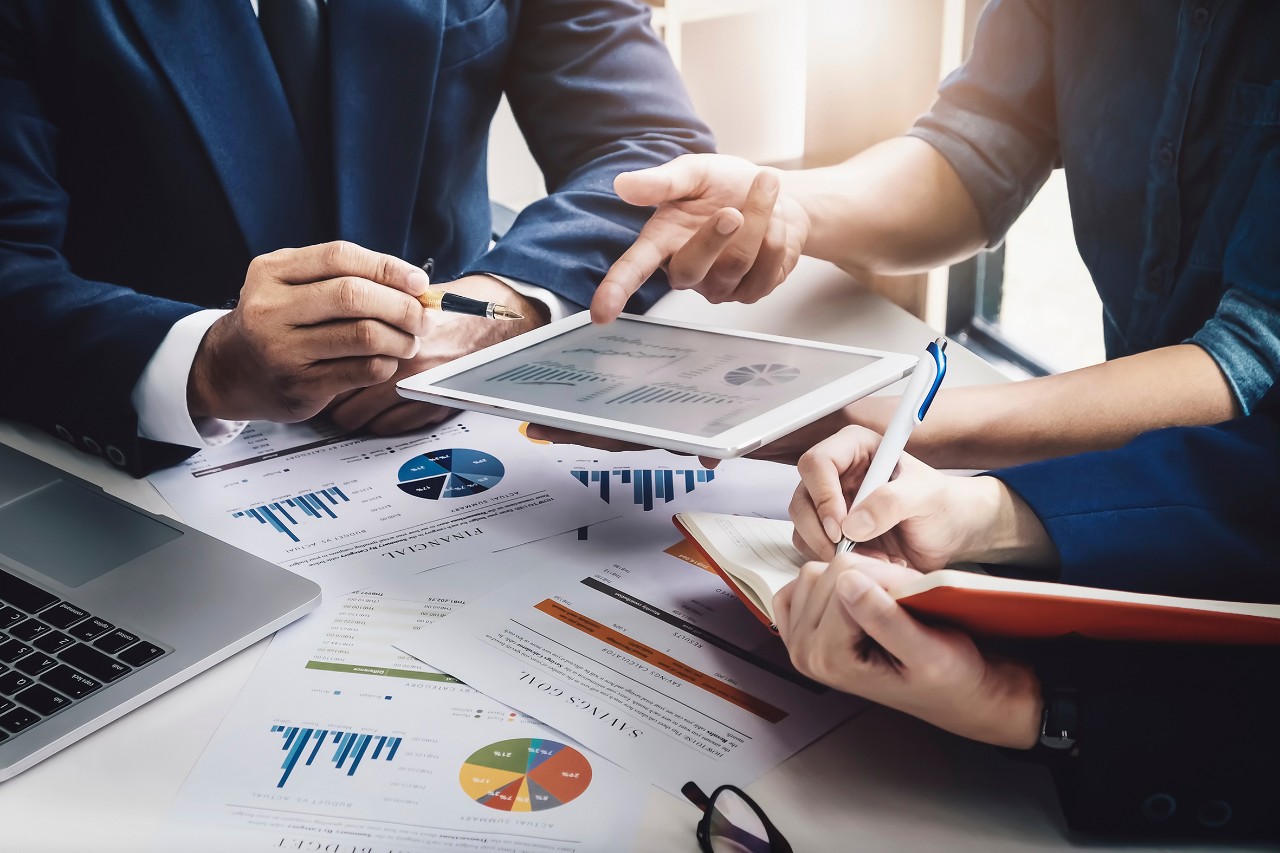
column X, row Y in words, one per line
column 626, row 276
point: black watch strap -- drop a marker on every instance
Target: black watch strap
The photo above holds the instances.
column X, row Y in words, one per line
column 1060, row 723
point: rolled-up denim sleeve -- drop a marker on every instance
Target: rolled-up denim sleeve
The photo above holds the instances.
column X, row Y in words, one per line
column 995, row 120
column 1243, row 336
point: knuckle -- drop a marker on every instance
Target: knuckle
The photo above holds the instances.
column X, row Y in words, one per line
column 337, row 251
column 260, row 267
column 386, row 268
column 349, row 296
column 365, row 336
column 735, row 264
column 630, row 271
column 383, row 368
column 812, row 570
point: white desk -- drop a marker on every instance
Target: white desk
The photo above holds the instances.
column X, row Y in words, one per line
column 880, row 782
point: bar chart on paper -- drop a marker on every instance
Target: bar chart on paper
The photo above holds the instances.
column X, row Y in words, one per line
column 644, row 487
column 284, row 515
column 343, row 750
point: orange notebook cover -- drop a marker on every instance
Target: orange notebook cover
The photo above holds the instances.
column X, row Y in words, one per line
column 756, row 558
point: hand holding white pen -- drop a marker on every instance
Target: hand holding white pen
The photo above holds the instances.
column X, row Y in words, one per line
column 921, row 389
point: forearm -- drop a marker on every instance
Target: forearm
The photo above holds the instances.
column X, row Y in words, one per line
column 1095, row 408
column 898, row 207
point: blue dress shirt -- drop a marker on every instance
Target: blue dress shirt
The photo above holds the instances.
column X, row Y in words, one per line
column 1165, row 115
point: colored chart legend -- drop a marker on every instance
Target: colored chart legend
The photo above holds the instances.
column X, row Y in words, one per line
column 647, row 485
column 283, row 515
column 349, row 748
column 525, row 775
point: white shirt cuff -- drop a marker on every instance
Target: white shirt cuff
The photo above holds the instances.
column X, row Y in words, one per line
column 557, row 307
column 160, row 396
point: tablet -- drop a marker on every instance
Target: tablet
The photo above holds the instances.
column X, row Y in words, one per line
column 660, row 383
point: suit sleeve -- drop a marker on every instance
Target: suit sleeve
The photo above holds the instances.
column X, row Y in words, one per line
column 595, row 93
column 1173, row 741
column 1188, row 511
column 72, row 348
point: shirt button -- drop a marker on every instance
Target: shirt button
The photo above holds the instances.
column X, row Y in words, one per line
column 1214, row 813
column 1200, row 16
column 91, row 445
column 64, row 433
column 116, row 456
column 1165, row 154
column 1159, row 807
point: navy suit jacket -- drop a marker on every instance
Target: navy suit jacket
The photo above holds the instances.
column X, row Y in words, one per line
column 1174, row 740
column 147, row 154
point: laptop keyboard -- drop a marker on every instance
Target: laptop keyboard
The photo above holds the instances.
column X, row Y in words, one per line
column 53, row 654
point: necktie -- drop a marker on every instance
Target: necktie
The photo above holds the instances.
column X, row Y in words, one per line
column 297, row 34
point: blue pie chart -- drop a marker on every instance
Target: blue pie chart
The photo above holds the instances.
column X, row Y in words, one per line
column 454, row 472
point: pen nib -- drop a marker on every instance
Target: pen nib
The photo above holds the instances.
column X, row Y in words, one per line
column 502, row 312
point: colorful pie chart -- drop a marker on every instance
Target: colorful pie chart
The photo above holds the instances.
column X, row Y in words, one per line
column 454, row 472
column 525, row 775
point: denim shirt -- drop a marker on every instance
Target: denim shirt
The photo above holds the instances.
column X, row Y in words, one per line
column 1165, row 115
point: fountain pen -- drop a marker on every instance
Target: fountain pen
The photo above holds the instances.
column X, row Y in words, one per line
column 455, row 303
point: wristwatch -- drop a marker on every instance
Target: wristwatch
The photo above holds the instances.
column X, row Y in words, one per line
column 1060, row 724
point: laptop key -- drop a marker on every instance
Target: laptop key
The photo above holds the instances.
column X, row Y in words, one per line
column 115, row 641
column 22, row 595
column 77, row 685
column 141, row 654
column 18, row 719
column 93, row 662
column 10, row 616
column 42, row 700
column 53, row 642
column 90, row 628
column 29, row 630
column 5, row 705
column 63, row 615
column 12, row 650
column 35, row 663
column 12, row 682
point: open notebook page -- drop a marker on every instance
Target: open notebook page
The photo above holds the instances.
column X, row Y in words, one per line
column 755, row 551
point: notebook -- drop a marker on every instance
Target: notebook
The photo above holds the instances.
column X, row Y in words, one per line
column 756, row 558
column 104, row 606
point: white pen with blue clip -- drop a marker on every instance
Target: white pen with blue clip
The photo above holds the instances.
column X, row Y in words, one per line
column 921, row 389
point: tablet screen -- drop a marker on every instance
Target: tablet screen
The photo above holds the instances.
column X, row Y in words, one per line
column 664, row 377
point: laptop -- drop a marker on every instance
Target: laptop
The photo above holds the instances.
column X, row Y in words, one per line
column 104, row 606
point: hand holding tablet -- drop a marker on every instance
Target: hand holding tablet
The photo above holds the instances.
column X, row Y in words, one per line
column 692, row 389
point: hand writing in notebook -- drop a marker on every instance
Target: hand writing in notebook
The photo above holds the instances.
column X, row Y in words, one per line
column 927, row 518
column 936, row 674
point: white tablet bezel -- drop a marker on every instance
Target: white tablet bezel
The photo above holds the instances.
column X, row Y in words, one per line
column 888, row 368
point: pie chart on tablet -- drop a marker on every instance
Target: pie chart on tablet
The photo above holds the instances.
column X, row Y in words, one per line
column 762, row 374
column 525, row 775
column 454, row 472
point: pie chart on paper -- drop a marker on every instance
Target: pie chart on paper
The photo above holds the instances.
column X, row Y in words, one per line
column 761, row 374
column 454, row 472
column 525, row 775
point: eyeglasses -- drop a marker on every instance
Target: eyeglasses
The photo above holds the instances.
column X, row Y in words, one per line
column 733, row 823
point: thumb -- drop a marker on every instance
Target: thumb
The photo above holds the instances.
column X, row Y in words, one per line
column 677, row 179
